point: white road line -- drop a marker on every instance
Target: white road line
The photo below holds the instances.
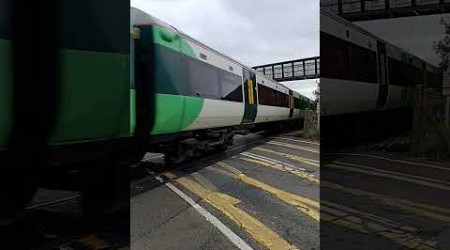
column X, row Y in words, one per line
column 302, row 141
column 393, row 160
column 234, row 238
column 293, row 146
column 270, row 160
column 154, row 157
column 245, row 145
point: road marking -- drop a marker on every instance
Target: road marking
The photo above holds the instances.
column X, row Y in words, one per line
column 355, row 219
column 280, row 167
column 302, row 141
column 292, row 157
column 153, row 157
column 93, row 242
column 305, row 205
column 271, row 160
column 235, row 239
column 418, row 208
column 228, row 206
column 345, row 217
column 294, row 146
column 53, row 202
column 391, row 174
column 393, row 160
column 242, row 146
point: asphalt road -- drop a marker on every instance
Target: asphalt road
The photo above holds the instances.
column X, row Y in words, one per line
column 261, row 194
column 379, row 200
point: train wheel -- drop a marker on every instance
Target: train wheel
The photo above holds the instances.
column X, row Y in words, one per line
column 178, row 154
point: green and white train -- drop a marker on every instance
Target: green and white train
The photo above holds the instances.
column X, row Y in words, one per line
column 204, row 94
column 117, row 95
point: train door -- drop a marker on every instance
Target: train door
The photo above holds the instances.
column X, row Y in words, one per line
column 142, row 83
column 291, row 104
column 250, row 100
column 383, row 85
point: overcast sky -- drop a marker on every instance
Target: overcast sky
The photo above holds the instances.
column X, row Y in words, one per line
column 415, row 34
column 254, row 32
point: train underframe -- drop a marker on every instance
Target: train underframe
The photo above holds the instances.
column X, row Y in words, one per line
column 100, row 171
column 340, row 131
column 183, row 146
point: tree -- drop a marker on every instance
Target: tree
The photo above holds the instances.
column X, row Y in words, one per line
column 442, row 47
column 316, row 93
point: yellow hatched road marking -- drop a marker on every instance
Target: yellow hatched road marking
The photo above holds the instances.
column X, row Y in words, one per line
column 281, row 168
column 292, row 157
column 308, row 149
column 93, row 242
column 228, row 205
column 392, row 172
column 374, row 226
column 418, row 208
column 389, row 174
column 342, row 215
column 305, row 205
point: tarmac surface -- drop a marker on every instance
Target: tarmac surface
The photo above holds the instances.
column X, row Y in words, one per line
column 263, row 193
column 384, row 200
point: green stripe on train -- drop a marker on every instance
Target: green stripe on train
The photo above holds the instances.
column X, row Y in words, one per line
column 175, row 113
column 95, row 97
column 5, row 92
column 132, row 111
column 173, row 41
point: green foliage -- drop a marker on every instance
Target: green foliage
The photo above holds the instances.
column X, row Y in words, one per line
column 442, row 47
column 312, row 134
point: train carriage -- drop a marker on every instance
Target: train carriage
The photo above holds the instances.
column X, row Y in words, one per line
column 121, row 91
column 203, row 93
column 367, row 83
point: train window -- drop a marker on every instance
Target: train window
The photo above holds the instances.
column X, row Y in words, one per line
column 203, row 79
column 271, row 97
column 265, row 95
column 168, row 70
column 347, row 61
column 282, row 100
column 230, row 87
column 403, row 73
column 296, row 103
column 362, row 64
column 334, row 53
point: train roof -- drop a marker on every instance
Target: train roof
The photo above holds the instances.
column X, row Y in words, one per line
column 139, row 17
column 367, row 33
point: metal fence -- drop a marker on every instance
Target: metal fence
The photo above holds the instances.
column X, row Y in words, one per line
column 430, row 131
column 307, row 68
column 354, row 9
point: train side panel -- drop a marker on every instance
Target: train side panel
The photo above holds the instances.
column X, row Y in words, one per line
column 5, row 74
column 347, row 96
column 94, row 102
column 268, row 113
column 5, row 92
column 188, row 93
column 217, row 113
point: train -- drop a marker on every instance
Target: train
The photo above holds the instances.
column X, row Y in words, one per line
column 212, row 95
column 121, row 91
column 367, row 84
